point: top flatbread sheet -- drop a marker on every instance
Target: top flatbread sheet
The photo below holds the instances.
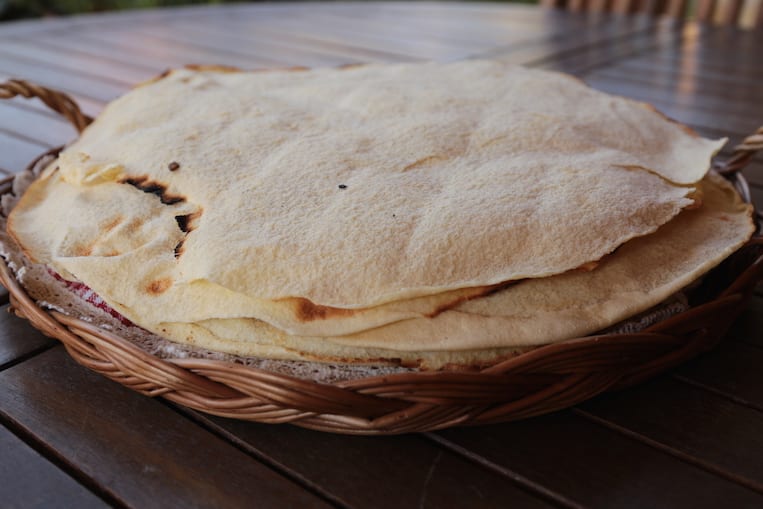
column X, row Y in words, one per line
column 350, row 188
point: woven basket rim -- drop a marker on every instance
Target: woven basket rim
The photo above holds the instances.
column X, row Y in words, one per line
column 541, row 380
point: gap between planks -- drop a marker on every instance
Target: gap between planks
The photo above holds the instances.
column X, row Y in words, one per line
column 60, row 462
column 688, row 458
column 203, row 422
column 531, row 486
column 28, row 355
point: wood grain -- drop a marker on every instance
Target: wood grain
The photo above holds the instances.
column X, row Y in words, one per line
column 16, row 151
column 30, row 481
column 349, row 468
column 18, row 338
column 594, row 466
column 140, row 452
column 731, row 370
column 706, row 427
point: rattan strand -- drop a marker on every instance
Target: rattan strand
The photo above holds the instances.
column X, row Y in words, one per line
column 536, row 382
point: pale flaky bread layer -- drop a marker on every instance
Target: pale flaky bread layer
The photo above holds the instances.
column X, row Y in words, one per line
column 308, row 199
column 640, row 275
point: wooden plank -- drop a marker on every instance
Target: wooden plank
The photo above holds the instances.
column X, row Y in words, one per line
column 698, row 57
column 33, row 124
column 33, row 27
column 724, row 107
column 553, row 47
column 700, row 426
column 732, row 370
column 350, row 468
column 16, row 153
column 154, row 61
column 599, row 55
column 92, row 65
column 708, row 51
column 412, row 47
column 734, row 90
column 594, row 466
column 297, row 47
column 141, row 452
column 256, row 49
column 409, row 36
column 176, row 52
column 30, row 481
column 727, row 123
column 18, row 339
column 93, row 87
column 489, row 31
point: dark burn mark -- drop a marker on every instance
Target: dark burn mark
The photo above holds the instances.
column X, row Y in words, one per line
column 152, row 187
column 174, row 166
column 179, row 248
column 342, row 186
column 182, row 223
column 187, row 222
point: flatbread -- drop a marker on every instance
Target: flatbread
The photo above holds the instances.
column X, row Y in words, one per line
column 641, row 274
column 311, row 199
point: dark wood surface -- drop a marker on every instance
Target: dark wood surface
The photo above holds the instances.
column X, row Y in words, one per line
column 689, row 438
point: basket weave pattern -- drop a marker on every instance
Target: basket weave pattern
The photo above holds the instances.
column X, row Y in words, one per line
column 536, row 382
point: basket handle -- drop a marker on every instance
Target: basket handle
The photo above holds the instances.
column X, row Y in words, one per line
column 732, row 167
column 743, row 153
column 55, row 100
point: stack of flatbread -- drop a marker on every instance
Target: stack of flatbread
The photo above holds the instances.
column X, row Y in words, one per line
column 431, row 215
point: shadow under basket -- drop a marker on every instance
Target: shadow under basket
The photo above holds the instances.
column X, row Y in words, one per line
column 539, row 381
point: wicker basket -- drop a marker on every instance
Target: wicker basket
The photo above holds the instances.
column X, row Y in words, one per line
column 539, row 381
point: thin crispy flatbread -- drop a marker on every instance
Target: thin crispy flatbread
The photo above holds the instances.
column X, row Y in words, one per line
column 328, row 202
column 641, row 274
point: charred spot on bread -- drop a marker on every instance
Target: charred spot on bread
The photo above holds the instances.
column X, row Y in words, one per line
column 187, row 222
column 159, row 286
column 145, row 184
column 307, row 311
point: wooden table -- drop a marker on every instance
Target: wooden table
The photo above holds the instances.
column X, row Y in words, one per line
column 691, row 438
